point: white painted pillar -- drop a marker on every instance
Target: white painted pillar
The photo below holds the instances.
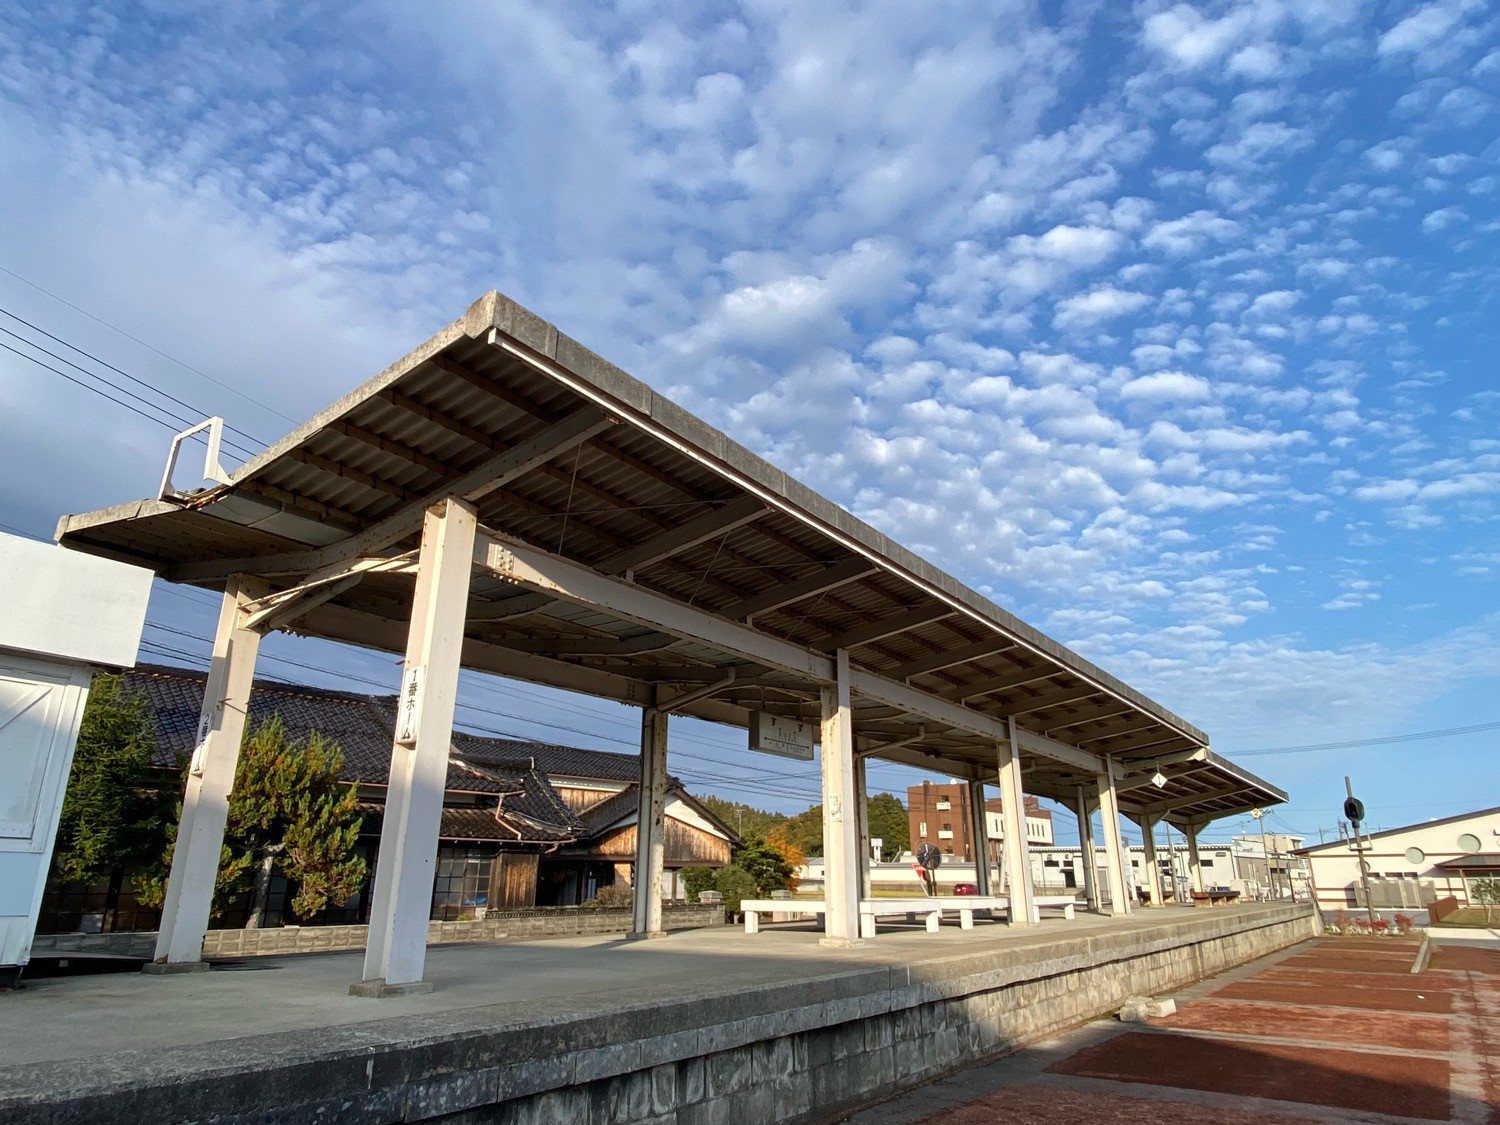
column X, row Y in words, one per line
column 1087, row 847
column 861, row 787
column 1120, row 890
column 840, row 812
column 650, row 824
column 1017, row 852
column 979, row 833
column 1195, row 862
column 396, row 949
column 205, row 802
column 1148, row 859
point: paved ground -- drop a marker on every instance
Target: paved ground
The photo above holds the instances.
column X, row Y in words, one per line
column 1338, row 1029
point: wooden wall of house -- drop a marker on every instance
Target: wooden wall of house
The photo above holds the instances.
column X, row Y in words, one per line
column 579, row 799
column 513, row 882
column 686, row 846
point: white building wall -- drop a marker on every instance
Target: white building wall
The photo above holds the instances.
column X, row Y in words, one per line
column 1406, row 853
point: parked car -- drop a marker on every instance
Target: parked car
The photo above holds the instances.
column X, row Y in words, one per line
column 966, row 888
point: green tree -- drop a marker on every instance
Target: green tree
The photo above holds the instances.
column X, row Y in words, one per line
column 806, row 830
column 765, row 865
column 288, row 811
column 735, row 884
column 1487, row 893
column 890, row 824
column 746, row 820
column 114, row 813
column 698, row 879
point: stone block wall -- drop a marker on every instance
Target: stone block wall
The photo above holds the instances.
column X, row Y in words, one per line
column 561, row 921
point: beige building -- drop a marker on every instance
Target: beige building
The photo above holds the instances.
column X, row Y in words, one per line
column 1409, row 867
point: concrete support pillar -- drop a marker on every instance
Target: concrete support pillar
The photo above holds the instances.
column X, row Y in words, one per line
column 841, row 881
column 1195, row 863
column 205, row 802
column 1023, row 911
column 650, row 824
column 1086, row 846
column 862, row 788
column 1120, row 890
column 979, row 833
column 396, row 949
column 1148, row 859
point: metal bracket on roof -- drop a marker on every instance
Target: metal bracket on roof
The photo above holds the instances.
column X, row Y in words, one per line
column 687, row 698
column 212, row 469
column 896, row 745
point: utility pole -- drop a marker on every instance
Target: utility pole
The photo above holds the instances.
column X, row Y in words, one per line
column 1354, row 810
column 1265, row 850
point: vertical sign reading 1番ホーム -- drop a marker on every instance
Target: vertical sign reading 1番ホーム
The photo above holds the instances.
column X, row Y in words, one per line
column 776, row 734
column 406, row 706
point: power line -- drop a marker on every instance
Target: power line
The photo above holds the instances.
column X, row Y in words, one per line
column 192, row 410
column 89, row 387
column 176, row 420
column 149, row 347
column 1385, row 741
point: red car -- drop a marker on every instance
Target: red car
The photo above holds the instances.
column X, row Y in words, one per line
column 966, row 888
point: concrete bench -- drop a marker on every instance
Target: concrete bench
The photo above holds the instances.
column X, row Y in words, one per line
column 1068, row 903
column 753, row 908
column 1214, row 898
column 933, row 908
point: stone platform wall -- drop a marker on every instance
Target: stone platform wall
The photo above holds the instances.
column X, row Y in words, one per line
column 559, row 921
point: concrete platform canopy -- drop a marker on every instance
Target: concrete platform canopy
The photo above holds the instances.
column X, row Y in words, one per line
column 503, row 499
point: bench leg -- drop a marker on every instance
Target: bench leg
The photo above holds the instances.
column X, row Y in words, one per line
column 1068, row 912
column 752, row 922
column 867, row 925
column 933, row 921
column 965, row 919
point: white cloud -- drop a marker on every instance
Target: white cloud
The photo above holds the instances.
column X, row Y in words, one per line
column 1188, row 234
column 1167, row 386
column 1087, row 310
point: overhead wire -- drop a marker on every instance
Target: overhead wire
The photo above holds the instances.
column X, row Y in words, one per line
column 149, row 347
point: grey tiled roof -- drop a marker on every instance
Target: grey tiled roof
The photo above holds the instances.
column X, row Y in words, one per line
column 362, row 725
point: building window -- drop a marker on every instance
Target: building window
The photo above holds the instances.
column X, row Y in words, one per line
column 1205, row 863
column 947, row 826
column 1415, row 855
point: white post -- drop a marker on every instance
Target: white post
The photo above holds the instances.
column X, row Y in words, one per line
column 205, row 802
column 840, row 812
column 396, row 949
column 1120, row 890
column 1148, row 859
column 979, row 833
column 1086, row 846
column 1195, row 863
column 650, row 824
column 1017, row 852
column 861, row 787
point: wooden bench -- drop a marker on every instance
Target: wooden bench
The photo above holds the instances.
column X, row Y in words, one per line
column 1214, row 897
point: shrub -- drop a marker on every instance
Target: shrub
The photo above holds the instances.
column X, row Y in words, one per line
column 1341, row 921
column 696, row 880
column 735, row 884
column 614, row 895
column 1401, row 923
column 1380, row 925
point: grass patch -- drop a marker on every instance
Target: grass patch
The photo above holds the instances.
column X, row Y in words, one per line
column 1472, row 918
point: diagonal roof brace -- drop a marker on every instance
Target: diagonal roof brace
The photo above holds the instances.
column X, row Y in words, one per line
column 735, row 514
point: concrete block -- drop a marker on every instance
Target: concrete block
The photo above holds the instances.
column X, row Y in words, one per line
column 663, row 1088
column 691, row 1081
column 729, row 1072
column 1140, row 1008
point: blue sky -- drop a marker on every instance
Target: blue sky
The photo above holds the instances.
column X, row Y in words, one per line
column 1171, row 327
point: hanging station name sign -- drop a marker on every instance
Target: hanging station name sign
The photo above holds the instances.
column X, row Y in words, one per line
column 787, row 738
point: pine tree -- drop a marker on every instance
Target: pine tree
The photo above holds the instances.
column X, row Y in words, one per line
column 114, row 814
column 289, row 810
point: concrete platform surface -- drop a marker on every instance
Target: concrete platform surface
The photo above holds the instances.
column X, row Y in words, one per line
column 703, row 1025
column 58, row 1018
